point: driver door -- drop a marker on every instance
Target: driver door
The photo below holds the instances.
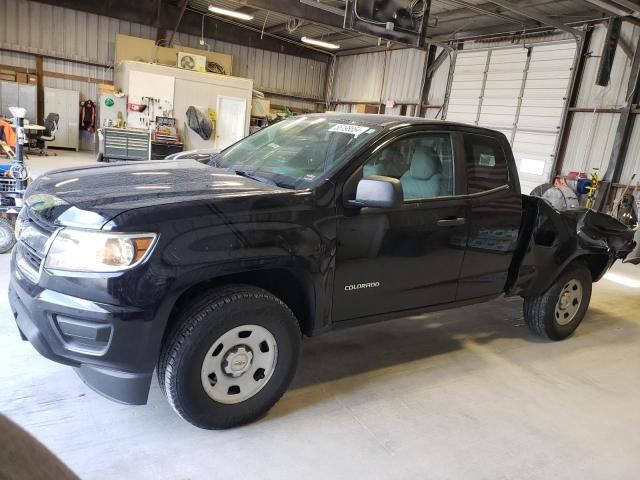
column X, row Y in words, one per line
column 395, row 260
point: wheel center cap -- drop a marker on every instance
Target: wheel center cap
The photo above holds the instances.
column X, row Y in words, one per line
column 565, row 300
column 237, row 361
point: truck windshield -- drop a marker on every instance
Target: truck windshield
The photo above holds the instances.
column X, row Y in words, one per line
column 297, row 153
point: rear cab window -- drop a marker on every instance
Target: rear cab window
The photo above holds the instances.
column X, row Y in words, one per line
column 486, row 163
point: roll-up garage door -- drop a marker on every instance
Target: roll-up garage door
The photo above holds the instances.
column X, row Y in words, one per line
column 502, row 89
column 520, row 92
column 543, row 100
column 466, row 86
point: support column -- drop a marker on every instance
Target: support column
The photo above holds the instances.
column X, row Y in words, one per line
column 39, row 90
column 623, row 134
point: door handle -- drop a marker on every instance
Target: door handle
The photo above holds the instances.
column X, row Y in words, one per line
column 451, row 222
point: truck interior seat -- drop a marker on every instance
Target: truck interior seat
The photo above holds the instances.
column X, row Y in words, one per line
column 388, row 164
column 424, row 178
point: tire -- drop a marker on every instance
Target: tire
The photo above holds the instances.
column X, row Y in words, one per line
column 7, row 236
column 223, row 316
column 557, row 312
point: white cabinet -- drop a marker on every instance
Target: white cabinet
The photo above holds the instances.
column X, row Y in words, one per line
column 23, row 95
column 65, row 103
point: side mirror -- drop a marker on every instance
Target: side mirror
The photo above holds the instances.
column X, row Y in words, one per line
column 378, row 192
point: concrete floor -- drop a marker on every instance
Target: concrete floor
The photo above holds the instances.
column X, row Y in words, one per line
column 464, row 394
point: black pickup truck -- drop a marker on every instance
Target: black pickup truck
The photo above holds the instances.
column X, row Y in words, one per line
column 210, row 273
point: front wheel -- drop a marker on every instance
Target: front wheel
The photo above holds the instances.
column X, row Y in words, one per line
column 557, row 312
column 230, row 358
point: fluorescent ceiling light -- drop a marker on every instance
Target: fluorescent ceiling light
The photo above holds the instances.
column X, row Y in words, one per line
column 320, row 43
column 622, row 280
column 230, row 13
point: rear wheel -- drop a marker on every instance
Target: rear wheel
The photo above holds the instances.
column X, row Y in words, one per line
column 230, row 358
column 7, row 236
column 557, row 312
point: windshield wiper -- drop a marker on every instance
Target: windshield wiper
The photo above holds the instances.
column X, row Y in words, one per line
column 251, row 175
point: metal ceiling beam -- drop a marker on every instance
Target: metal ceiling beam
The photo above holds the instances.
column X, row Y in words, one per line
column 495, row 31
column 334, row 37
column 484, row 11
column 239, row 33
column 282, row 27
column 247, row 10
column 183, row 8
column 631, row 5
column 609, row 8
column 526, row 12
column 294, row 8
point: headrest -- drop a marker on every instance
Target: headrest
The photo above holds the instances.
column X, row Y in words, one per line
column 389, row 154
column 424, row 164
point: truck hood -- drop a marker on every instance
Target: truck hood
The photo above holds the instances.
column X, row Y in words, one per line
column 90, row 196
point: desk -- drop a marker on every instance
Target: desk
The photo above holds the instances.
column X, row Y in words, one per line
column 32, row 130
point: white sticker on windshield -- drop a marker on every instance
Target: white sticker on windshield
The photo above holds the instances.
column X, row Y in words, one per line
column 348, row 128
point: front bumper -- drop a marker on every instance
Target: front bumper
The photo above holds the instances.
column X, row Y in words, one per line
column 104, row 343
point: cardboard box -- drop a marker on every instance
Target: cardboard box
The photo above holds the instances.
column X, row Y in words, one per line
column 142, row 49
column 8, row 77
column 361, row 108
column 260, row 107
column 21, row 77
column 106, row 88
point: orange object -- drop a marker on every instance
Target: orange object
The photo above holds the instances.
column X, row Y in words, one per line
column 7, row 133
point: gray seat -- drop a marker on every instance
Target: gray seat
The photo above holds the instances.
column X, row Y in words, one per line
column 51, row 128
column 424, row 178
column 389, row 164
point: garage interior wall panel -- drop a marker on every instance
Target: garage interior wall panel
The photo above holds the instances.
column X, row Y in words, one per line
column 404, row 75
column 438, row 88
column 466, row 86
column 591, row 137
column 74, row 35
column 632, row 162
column 613, row 95
column 358, row 78
column 590, row 141
column 544, row 98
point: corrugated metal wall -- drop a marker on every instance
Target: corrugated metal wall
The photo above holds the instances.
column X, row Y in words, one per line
column 75, row 35
column 590, row 139
column 359, row 78
column 438, row 87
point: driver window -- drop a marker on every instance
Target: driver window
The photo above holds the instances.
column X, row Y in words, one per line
column 422, row 163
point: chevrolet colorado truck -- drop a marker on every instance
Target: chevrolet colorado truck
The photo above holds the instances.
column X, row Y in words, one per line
column 210, row 273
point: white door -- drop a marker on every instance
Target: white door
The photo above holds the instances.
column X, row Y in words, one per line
column 230, row 121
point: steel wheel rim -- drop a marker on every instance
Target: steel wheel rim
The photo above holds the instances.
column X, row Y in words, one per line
column 569, row 302
column 239, row 364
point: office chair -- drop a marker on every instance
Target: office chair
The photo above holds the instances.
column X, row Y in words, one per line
column 51, row 127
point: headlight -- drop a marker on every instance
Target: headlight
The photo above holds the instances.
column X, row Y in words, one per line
column 96, row 251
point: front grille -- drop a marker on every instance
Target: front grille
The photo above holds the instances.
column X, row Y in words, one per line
column 7, row 185
column 30, row 255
